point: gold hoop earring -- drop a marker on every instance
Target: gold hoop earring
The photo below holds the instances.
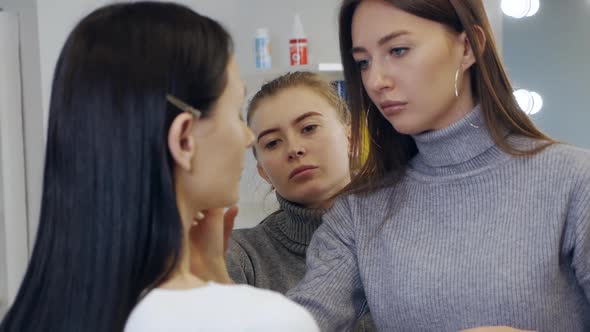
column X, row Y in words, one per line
column 457, row 83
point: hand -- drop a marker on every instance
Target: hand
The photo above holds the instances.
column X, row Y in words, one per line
column 209, row 239
column 494, row 329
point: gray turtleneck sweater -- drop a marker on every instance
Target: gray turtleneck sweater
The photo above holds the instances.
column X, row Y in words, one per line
column 471, row 236
column 272, row 254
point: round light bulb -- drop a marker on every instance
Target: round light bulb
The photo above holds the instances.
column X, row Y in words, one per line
column 537, row 103
column 535, row 5
column 524, row 100
column 520, row 8
column 515, row 8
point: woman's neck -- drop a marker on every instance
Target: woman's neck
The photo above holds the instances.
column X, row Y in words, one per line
column 181, row 280
column 181, row 276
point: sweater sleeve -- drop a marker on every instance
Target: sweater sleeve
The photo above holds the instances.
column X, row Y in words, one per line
column 239, row 265
column 331, row 289
column 579, row 217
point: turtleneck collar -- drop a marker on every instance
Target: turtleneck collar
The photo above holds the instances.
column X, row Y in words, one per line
column 298, row 224
column 463, row 146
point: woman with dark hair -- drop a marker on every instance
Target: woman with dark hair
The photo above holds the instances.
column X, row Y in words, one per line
column 144, row 117
column 465, row 214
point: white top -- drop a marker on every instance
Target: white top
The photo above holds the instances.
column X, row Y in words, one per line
column 216, row 307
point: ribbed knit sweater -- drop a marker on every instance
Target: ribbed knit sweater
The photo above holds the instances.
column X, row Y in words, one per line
column 471, row 236
column 272, row 254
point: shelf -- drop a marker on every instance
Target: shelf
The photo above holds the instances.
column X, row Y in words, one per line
column 328, row 71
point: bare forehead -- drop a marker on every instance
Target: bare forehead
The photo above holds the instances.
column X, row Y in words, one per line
column 285, row 107
column 374, row 20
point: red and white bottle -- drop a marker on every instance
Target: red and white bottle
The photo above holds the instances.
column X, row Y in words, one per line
column 298, row 44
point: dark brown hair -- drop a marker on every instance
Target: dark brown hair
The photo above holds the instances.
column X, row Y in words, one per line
column 389, row 150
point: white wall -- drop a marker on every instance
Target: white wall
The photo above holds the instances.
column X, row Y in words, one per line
column 13, row 213
column 55, row 20
column 33, row 113
column 3, row 268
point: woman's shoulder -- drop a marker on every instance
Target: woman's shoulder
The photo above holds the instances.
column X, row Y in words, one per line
column 223, row 307
column 570, row 153
column 354, row 205
column 558, row 165
column 568, row 161
column 379, row 192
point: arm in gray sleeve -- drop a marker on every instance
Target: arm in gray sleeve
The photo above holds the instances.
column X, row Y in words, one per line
column 579, row 217
column 331, row 289
column 239, row 265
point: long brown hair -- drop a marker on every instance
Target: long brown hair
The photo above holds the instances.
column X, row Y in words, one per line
column 389, row 150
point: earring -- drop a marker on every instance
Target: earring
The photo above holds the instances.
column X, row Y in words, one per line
column 456, row 83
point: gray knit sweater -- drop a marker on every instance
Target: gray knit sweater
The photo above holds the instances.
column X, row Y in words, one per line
column 470, row 237
column 272, row 254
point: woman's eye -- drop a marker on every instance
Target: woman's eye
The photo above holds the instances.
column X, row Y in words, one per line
column 309, row 128
column 362, row 64
column 271, row 145
column 398, row 51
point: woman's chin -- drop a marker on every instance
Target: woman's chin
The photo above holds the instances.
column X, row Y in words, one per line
column 408, row 129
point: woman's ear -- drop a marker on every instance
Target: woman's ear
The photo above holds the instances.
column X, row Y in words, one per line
column 469, row 57
column 181, row 141
column 481, row 39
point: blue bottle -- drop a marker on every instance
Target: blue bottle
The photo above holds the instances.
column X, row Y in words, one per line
column 262, row 49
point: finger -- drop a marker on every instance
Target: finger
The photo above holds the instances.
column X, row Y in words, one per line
column 228, row 225
column 230, row 215
column 211, row 222
column 208, row 225
column 213, row 214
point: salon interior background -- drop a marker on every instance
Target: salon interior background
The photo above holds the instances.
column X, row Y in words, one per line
column 546, row 53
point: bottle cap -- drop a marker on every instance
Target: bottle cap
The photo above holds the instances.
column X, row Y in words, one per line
column 298, row 32
column 262, row 33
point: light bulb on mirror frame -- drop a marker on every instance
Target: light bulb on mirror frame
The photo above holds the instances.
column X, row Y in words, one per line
column 520, row 8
